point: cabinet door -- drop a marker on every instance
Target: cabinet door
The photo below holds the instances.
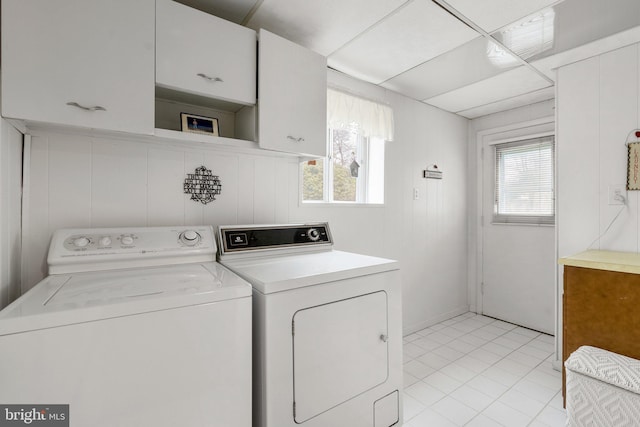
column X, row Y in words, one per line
column 340, row 350
column 97, row 54
column 202, row 54
column 292, row 97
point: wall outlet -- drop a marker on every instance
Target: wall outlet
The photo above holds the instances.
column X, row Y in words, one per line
column 617, row 195
column 416, row 194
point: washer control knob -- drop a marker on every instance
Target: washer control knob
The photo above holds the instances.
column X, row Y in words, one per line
column 190, row 237
column 127, row 239
column 105, row 241
column 81, row 242
column 313, row 234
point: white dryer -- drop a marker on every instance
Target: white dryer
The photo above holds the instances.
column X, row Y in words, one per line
column 327, row 327
column 133, row 327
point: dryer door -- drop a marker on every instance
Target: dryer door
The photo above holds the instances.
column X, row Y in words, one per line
column 339, row 352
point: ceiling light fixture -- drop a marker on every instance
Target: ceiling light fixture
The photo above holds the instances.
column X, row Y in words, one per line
column 526, row 38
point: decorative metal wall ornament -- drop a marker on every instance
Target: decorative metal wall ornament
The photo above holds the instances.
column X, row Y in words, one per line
column 203, row 185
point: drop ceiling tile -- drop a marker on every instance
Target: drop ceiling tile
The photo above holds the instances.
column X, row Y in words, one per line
column 493, row 14
column 415, row 33
column 575, row 23
column 459, row 67
column 322, row 26
column 549, row 64
column 510, row 103
column 231, row 10
column 509, row 84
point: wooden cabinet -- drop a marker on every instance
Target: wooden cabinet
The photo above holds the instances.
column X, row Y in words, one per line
column 83, row 63
column 600, row 303
column 202, row 54
column 292, row 97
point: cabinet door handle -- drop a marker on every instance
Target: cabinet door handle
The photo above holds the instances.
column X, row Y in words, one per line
column 94, row 108
column 211, row 79
column 384, row 338
column 294, row 139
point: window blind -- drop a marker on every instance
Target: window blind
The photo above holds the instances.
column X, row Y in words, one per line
column 524, row 185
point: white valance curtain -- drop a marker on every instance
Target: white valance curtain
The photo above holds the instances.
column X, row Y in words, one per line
column 373, row 119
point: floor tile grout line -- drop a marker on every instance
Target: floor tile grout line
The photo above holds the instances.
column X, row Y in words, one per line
column 529, row 368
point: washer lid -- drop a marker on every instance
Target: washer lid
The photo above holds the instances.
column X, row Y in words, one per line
column 281, row 273
column 83, row 297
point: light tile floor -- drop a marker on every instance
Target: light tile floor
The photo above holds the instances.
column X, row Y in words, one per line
column 473, row 370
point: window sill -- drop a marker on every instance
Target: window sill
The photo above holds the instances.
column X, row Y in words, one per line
column 522, row 224
column 340, row 205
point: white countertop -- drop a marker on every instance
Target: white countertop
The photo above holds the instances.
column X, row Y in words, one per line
column 624, row 262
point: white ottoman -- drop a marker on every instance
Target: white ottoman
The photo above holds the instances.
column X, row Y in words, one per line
column 603, row 389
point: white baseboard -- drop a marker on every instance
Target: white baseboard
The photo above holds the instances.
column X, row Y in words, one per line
column 410, row 329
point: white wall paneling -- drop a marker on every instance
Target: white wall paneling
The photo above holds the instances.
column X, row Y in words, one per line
column 618, row 112
column 246, row 177
column 118, row 183
column 10, row 212
column 36, row 218
column 264, row 191
column 165, row 192
column 598, row 106
column 71, row 182
column 83, row 180
column 286, row 188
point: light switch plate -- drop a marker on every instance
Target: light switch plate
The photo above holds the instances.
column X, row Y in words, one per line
column 617, row 194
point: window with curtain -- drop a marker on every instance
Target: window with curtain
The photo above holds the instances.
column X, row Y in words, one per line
column 524, row 186
column 353, row 171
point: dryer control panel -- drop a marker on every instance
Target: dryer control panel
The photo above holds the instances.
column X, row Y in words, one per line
column 239, row 239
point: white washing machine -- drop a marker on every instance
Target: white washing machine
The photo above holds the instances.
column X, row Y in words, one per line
column 133, row 327
column 327, row 328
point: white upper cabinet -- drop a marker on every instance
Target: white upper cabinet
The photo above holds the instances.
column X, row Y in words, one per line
column 292, row 97
column 84, row 63
column 202, row 54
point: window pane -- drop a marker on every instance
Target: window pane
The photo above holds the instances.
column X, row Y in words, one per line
column 375, row 169
column 344, row 154
column 353, row 172
column 525, row 181
column 313, row 180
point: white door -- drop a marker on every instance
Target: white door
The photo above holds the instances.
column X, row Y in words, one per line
column 517, row 261
column 340, row 350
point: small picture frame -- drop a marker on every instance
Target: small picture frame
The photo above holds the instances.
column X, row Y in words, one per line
column 199, row 124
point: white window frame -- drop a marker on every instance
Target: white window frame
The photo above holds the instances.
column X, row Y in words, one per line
column 362, row 183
